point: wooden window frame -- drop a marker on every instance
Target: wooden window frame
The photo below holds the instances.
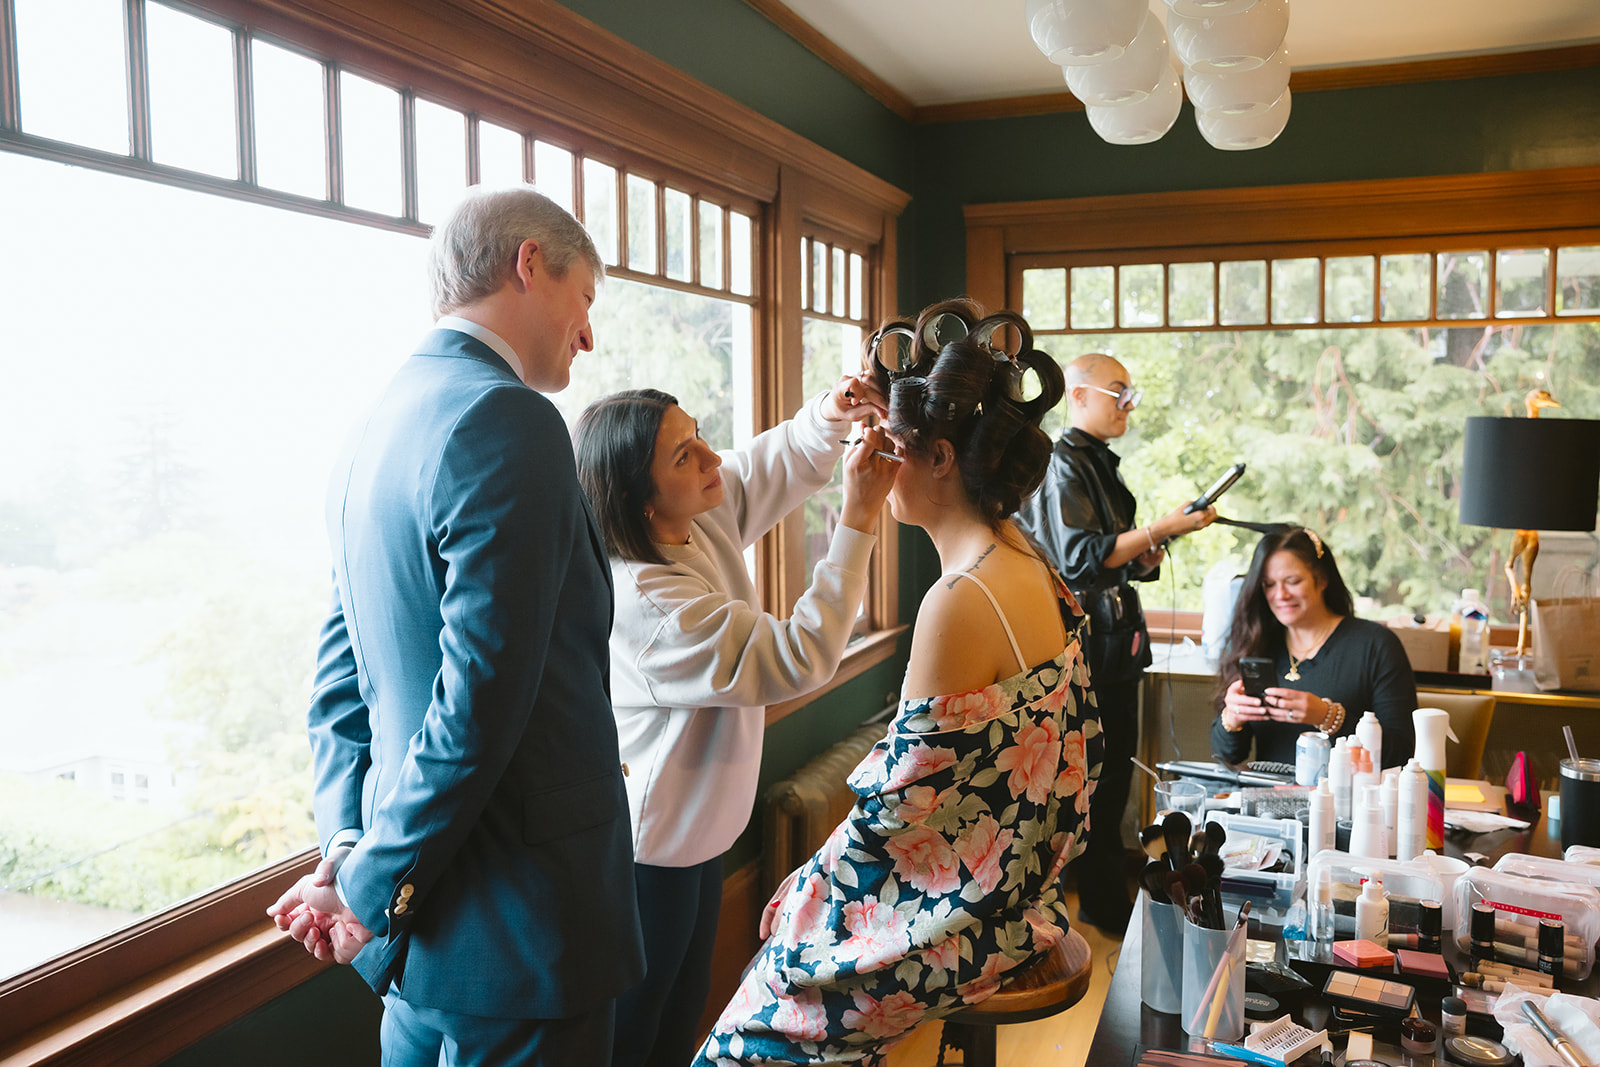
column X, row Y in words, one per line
column 1539, row 208
column 146, row 992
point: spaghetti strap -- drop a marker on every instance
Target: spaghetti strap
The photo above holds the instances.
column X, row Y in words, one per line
column 1016, row 650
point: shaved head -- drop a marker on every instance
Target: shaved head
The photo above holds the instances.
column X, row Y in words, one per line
column 1094, row 368
column 1089, row 409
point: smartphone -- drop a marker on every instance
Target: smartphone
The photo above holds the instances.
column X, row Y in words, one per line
column 1257, row 673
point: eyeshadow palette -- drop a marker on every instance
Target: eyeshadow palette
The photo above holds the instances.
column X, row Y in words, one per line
column 1369, row 995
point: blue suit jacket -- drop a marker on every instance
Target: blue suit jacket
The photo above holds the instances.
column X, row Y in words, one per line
column 460, row 715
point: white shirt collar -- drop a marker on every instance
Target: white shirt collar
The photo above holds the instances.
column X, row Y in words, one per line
column 488, row 337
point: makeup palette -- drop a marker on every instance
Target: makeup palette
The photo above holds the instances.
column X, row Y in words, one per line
column 1363, row 953
column 1369, row 995
column 1421, row 964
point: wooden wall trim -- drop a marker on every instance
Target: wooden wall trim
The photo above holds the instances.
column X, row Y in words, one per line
column 1449, row 68
column 1529, row 200
column 837, row 58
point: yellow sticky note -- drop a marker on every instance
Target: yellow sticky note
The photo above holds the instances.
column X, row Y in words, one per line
column 1462, row 793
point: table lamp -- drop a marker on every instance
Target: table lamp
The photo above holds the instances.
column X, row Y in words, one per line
column 1529, row 475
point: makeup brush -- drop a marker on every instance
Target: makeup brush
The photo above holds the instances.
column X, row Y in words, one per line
column 1172, row 883
column 1212, row 864
column 1216, row 836
column 1154, row 841
column 1152, row 877
column 1176, row 827
column 1197, row 842
column 1194, row 885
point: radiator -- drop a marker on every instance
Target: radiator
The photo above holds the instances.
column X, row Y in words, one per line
column 803, row 809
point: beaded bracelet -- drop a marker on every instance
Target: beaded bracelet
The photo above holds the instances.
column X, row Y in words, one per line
column 1150, row 537
column 1336, row 714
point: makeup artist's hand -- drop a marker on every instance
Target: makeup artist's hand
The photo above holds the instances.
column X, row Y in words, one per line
column 1296, row 706
column 854, row 397
column 868, row 477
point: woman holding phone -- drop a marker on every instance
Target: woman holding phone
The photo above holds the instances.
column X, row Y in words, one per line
column 1326, row 667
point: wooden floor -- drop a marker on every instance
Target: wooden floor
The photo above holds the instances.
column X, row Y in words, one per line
column 1059, row 1041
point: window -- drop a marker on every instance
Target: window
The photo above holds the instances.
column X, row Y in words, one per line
column 1337, row 359
column 833, row 296
column 171, row 505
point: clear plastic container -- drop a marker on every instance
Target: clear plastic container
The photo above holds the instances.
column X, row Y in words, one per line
column 1520, row 902
column 1585, row 854
column 1275, row 890
column 1552, row 869
column 1406, row 882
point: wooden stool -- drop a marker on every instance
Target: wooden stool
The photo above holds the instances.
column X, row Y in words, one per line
column 1046, row 987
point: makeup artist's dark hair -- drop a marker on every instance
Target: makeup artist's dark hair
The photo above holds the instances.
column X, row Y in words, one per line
column 614, row 442
column 968, row 391
column 1255, row 631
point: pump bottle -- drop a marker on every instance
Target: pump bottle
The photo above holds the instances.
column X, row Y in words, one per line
column 1372, row 912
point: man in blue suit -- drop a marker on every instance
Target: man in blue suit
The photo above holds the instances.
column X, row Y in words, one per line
column 469, row 797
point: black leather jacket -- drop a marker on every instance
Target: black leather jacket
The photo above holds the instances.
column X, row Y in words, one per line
column 1075, row 518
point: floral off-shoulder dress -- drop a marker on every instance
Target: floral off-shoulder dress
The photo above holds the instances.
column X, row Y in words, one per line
column 944, row 877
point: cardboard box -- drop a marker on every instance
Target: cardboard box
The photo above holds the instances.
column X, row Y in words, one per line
column 1427, row 646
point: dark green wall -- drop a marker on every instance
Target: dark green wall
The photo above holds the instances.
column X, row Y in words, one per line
column 1517, row 122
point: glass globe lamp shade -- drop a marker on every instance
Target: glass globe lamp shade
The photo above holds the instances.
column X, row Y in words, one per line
column 1083, row 32
column 1242, row 132
column 1224, row 44
column 1143, row 122
column 1205, row 8
column 1129, row 78
column 1239, row 92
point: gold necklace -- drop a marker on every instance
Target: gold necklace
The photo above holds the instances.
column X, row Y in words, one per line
column 1293, row 674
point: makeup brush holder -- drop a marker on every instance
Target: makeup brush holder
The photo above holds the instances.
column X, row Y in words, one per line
column 1203, row 985
column 1161, row 956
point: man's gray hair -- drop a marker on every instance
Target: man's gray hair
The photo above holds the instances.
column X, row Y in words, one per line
column 473, row 252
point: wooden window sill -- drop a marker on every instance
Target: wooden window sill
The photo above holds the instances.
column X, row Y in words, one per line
column 146, row 1019
column 868, row 652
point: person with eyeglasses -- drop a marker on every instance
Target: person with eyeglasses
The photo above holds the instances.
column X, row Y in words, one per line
column 1082, row 519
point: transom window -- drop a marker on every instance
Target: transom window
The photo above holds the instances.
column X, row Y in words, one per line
column 1522, row 282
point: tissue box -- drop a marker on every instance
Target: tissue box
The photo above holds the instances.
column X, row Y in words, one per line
column 1427, row 646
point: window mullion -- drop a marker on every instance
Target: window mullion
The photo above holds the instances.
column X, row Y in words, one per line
column 475, row 152
column 136, row 50
column 332, row 134
column 410, row 208
column 10, row 111
column 244, row 106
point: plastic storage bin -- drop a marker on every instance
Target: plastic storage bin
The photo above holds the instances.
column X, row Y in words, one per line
column 1552, row 869
column 1410, row 880
column 1276, row 890
column 1585, row 854
column 1522, row 901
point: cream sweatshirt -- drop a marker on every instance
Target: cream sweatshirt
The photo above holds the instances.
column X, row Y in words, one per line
column 694, row 659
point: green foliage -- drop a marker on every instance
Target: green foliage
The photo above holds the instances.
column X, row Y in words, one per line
column 649, row 337
column 1355, row 433
column 53, row 845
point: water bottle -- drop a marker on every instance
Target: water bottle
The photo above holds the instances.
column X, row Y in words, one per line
column 1474, row 615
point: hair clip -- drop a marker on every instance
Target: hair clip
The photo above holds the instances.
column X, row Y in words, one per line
column 1316, row 542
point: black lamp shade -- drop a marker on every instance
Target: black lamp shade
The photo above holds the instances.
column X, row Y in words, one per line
column 1531, row 474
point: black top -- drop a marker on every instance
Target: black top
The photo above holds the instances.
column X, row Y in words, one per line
column 1363, row 666
column 1075, row 518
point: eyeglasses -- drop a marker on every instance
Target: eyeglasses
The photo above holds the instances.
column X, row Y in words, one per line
column 1127, row 399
